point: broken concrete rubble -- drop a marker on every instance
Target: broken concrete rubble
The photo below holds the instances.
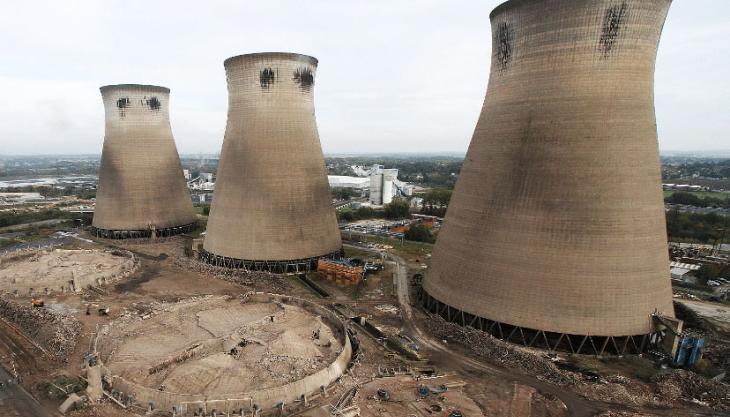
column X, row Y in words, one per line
column 666, row 388
column 55, row 332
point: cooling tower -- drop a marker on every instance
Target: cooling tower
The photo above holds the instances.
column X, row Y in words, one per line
column 142, row 191
column 555, row 234
column 272, row 208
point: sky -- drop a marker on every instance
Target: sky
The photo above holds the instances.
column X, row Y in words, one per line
column 393, row 75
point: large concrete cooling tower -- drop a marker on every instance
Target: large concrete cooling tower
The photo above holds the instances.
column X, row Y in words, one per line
column 272, row 208
column 142, row 191
column 556, row 227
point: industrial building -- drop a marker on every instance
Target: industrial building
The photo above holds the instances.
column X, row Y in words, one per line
column 555, row 235
column 342, row 181
column 382, row 185
column 142, row 190
column 272, row 208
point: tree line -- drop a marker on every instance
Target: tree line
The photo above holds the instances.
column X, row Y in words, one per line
column 22, row 217
column 691, row 199
column 696, row 227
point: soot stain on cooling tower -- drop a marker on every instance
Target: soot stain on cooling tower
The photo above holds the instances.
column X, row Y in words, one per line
column 267, row 76
column 154, row 103
column 122, row 103
column 304, row 77
column 612, row 22
column 505, row 45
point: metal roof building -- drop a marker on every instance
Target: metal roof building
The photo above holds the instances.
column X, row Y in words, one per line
column 142, row 191
column 272, row 208
column 555, row 234
column 342, row 181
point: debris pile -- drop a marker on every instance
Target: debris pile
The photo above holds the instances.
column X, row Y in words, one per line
column 718, row 354
column 684, row 385
column 492, row 349
column 55, row 332
column 666, row 388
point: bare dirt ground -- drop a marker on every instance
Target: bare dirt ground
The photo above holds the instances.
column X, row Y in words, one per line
column 404, row 399
column 718, row 314
column 491, row 388
column 157, row 279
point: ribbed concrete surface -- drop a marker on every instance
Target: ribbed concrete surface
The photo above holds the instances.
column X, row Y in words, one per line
column 272, row 200
column 141, row 183
column 557, row 220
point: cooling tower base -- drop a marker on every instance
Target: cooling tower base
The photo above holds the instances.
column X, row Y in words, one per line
column 276, row 267
column 551, row 341
column 141, row 234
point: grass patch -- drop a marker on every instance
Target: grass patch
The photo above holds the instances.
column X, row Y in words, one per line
column 4, row 243
column 202, row 209
column 351, row 252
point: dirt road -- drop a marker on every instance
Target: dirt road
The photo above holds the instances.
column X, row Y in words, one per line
column 449, row 358
column 15, row 349
column 15, row 401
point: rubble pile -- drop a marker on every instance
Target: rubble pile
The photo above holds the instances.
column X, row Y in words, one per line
column 717, row 342
column 718, row 354
column 260, row 280
column 684, row 385
column 624, row 391
column 55, row 332
column 666, row 388
column 492, row 349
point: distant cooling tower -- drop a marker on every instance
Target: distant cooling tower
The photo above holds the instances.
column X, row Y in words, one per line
column 142, row 191
column 555, row 235
column 272, row 208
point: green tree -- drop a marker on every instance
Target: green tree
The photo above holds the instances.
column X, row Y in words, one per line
column 707, row 272
column 397, row 209
column 419, row 233
column 343, row 193
column 436, row 201
column 345, row 215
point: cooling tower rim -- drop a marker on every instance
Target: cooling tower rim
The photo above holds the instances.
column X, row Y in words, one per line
column 134, row 86
column 511, row 4
column 280, row 55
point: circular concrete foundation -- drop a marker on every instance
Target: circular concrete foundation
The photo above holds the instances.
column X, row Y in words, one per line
column 224, row 354
column 60, row 271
